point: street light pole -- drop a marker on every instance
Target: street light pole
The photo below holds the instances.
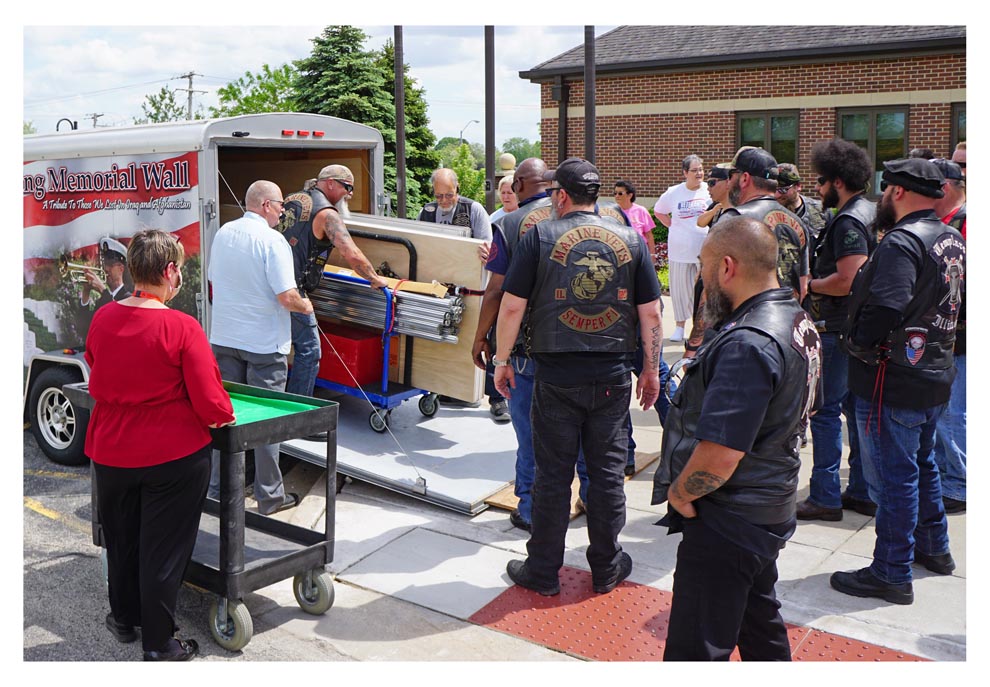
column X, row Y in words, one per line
column 473, row 121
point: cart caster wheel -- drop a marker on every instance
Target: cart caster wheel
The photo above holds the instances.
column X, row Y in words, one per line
column 379, row 420
column 318, row 598
column 240, row 627
column 429, row 404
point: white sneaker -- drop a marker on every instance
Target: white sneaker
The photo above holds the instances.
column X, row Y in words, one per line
column 678, row 335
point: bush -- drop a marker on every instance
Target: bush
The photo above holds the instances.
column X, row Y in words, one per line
column 663, row 276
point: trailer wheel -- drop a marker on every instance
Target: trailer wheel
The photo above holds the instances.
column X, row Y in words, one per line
column 316, row 595
column 379, row 420
column 239, row 629
column 429, row 404
column 57, row 425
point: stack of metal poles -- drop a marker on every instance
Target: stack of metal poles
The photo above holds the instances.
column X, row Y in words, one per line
column 414, row 314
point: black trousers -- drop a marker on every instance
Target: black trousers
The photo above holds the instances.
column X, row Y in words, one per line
column 591, row 417
column 723, row 597
column 150, row 519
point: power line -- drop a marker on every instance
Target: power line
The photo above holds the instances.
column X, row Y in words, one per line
column 42, row 101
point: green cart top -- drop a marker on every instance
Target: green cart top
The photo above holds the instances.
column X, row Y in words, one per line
column 254, row 409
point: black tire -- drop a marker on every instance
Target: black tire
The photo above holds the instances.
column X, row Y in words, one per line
column 429, row 404
column 57, row 425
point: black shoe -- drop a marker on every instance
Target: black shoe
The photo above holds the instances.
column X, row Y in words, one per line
column 953, row 505
column 630, row 470
column 519, row 573
column 806, row 510
column 864, row 583
column 862, row 506
column 941, row 564
column 290, row 501
column 124, row 634
column 517, row 521
column 622, row 570
column 180, row 650
column 500, row 411
column 320, row 436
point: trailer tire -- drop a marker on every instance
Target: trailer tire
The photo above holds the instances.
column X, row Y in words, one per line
column 57, row 425
column 318, row 599
column 240, row 627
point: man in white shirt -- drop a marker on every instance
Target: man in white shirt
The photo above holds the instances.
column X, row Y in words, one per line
column 678, row 209
column 254, row 289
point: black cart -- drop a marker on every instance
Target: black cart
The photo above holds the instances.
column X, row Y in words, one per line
column 238, row 552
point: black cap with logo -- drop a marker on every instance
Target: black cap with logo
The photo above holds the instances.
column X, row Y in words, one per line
column 576, row 175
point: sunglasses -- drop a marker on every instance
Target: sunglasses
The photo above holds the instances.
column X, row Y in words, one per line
column 619, row 193
column 712, row 182
column 347, row 187
column 784, row 189
column 822, row 181
column 554, row 188
column 883, row 186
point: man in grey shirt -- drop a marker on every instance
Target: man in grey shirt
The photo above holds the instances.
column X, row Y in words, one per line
column 452, row 208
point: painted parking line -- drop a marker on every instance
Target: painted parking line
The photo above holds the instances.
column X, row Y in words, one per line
column 68, row 520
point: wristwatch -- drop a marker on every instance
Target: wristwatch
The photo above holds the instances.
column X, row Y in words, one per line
column 499, row 363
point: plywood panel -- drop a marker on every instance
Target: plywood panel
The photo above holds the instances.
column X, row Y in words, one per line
column 444, row 368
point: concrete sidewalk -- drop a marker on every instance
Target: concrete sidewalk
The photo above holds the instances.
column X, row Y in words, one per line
column 410, row 575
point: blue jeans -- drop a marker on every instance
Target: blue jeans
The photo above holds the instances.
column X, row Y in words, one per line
column 899, row 465
column 520, row 407
column 826, row 431
column 662, row 404
column 592, row 417
column 950, row 438
column 306, row 358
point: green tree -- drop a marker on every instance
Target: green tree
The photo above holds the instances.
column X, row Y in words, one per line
column 521, row 148
column 161, row 107
column 449, row 147
column 421, row 158
column 270, row 90
column 341, row 79
column 29, row 128
column 470, row 180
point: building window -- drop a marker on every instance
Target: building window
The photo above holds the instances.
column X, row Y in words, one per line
column 958, row 124
column 776, row 132
column 882, row 132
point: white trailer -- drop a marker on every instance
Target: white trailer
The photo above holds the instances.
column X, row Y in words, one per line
column 184, row 177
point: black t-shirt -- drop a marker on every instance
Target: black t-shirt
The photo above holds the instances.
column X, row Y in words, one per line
column 572, row 369
column 842, row 237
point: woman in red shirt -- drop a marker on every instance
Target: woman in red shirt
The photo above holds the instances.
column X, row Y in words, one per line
column 158, row 391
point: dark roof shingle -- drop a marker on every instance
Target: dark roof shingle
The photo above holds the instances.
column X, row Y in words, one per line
column 658, row 46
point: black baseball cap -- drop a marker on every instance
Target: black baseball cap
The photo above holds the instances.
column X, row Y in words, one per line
column 576, row 175
column 915, row 174
column 756, row 162
column 720, row 171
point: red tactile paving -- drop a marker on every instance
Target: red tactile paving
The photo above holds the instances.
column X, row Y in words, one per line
column 630, row 624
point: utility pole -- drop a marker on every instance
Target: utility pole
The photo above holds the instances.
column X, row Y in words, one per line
column 189, row 90
column 94, row 117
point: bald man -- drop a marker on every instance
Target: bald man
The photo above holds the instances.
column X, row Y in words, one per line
column 452, row 208
column 729, row 462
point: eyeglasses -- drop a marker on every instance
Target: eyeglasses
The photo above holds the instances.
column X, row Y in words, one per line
column 697, row 170
column 444, row 196
column 619, row 193
column 784, row 189
column 281, row 203
column 822, row 181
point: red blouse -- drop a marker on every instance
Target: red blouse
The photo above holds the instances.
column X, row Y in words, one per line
column 156, row 385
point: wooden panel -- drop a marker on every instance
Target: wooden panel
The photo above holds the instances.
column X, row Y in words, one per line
column 443, row 368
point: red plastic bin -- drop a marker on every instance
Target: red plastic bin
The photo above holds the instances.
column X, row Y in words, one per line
column 360, row 349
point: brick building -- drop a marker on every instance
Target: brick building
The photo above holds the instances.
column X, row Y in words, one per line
column 662, row 92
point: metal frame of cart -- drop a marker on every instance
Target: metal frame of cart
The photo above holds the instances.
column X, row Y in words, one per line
column 238, row 552
column 392, row 393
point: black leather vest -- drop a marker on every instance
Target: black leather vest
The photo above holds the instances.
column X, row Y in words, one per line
column 924, row 339
column 583, row 294
column 462, row 212
column 790, row 232
column 762, row 488
column 613, row 211
column 309, row 254
column 515, row 224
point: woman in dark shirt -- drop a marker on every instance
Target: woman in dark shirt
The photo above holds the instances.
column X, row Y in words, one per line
column 157, row 391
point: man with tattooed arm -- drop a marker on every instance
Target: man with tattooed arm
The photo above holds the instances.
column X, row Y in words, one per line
column 729, row 465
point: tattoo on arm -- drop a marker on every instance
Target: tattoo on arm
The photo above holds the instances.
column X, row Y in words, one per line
column 700, row 483
column 656, row 341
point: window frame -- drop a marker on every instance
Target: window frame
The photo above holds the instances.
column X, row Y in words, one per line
column 954, row 137
column 871, row 149
column 766, row 115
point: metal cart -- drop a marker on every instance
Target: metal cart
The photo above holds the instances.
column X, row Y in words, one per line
column 238, row 552
column 390, row 394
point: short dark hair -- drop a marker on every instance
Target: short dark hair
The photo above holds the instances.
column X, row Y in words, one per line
column 923, row 153
column 630, row 189
column 149, row 253
column 582, row 198
column 841, row 159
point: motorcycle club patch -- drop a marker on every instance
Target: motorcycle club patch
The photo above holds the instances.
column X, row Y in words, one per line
column 917, row 339
column 805, row 340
